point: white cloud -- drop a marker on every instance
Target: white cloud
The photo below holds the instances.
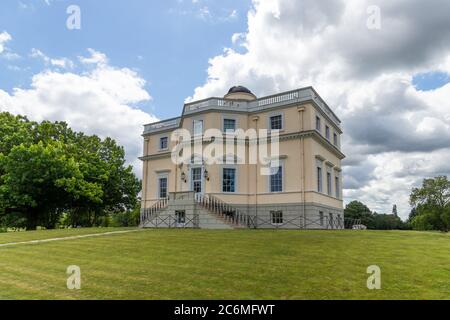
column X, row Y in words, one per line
column 4, row 38
column 64, row 63
column 364, row 74
column 95, row 58
column 101, row 101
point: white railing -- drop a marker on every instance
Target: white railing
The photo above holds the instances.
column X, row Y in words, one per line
column 278, row 98
column 161, row 125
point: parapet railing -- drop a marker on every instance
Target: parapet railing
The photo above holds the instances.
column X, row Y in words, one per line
column 276, row 100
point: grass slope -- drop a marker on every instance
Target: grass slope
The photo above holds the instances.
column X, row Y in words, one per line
column 241, row 264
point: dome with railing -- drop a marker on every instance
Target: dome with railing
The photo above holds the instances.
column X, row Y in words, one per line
column 240, row 93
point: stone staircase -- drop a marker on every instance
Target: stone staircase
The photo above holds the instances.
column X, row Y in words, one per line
column 200, row 211
column 224, row 212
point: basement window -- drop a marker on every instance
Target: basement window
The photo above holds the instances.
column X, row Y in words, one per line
column 277, row 217
column 180, row 217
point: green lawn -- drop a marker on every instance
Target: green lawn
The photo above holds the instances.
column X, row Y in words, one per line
column 241, row 264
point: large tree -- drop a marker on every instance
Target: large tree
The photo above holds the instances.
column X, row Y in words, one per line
column 358, row 210
column 47, row 170
column 431, row 203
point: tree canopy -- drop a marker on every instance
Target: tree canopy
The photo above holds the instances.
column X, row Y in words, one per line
column 49, row 172
column 431, row 205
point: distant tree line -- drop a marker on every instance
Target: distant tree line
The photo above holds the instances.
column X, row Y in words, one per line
column 373, row 220
column 430, row 209
column 52, row 176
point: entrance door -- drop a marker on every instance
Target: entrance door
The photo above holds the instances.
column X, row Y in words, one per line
column 197, row 180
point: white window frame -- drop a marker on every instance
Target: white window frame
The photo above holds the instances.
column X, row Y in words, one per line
column 329, row 181
column 269, row 122
column 321, row 218
column 191, row 178
column 162, row 176
column 319, row 187
column 177, row 217
column 159, row 147
column 236, row 178
column 283, row 178
column 230, row 117
column 271, row 212
column 319, row 122
column 194, row 134
column 337, row 185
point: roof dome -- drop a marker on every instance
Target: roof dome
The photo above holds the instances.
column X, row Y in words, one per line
column 240, row 93
column 237, row 89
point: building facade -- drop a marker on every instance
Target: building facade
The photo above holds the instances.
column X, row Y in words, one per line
column 301, row 188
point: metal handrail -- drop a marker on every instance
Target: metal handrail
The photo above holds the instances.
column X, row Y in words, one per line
column 149, row 213
column 225, row 211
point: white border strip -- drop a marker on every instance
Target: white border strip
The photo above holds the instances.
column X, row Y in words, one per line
column 67, row 238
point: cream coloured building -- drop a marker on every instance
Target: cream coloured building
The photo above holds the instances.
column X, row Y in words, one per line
column 302, row 191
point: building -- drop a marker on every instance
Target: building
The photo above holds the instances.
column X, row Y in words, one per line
column 303, row 190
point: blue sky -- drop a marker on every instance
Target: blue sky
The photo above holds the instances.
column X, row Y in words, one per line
column 430, row 80
column 167, row 42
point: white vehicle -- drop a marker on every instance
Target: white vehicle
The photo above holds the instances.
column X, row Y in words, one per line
column 359, row 227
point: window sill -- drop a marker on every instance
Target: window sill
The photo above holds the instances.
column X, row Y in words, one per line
column 278, row 130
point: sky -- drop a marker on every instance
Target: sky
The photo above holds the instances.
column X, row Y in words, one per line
column 383, row 66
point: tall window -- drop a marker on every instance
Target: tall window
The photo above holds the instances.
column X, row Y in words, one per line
column 330, row 218
column 229, row 180
column 321, row 218
column 163, row 187
column 277, row 217
column 276, row 122
column 329, row 183
column 229, row 125
column 197, row 182
column 276, row 179
column 163, row 143
column 335, row 139
column 198, row 127
column 337, row 187
column 319, row 179
column 327, row 132
column 318, row 124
